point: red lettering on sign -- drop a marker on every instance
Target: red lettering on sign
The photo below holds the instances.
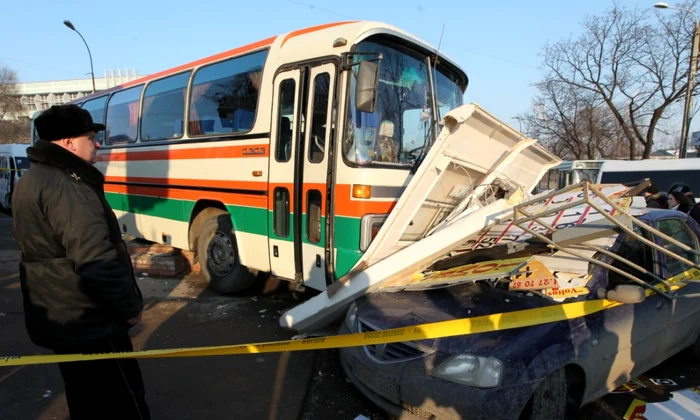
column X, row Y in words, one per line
column 485, row 268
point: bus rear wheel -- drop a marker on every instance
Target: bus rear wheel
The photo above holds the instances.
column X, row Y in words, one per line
column 218, row 255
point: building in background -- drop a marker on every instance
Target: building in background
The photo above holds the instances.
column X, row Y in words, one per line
column 37, row 96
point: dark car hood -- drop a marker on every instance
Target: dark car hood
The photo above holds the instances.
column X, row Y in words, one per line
column 385, row 310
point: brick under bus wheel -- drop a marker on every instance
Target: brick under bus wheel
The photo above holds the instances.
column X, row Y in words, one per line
column 217, row 252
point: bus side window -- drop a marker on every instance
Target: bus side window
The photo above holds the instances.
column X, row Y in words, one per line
column 281, row 212
column 313, row 216
column 319, row 117
column 5, row 167
column 553, row 179
column 544, row 181
column 283, row 151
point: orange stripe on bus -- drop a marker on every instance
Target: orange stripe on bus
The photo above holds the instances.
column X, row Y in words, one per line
column 192, row 195
column 226, row 152
column 304, row 202
column 345, row 205
column 194, row 183
column 312, row 29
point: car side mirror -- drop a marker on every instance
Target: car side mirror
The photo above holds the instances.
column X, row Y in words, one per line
column 627, row 293
column 366, row 87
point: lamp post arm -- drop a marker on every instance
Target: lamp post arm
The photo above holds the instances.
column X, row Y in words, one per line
column 92, row 71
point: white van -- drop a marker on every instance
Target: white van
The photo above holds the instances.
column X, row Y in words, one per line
column 663, row 173
column 13, row 163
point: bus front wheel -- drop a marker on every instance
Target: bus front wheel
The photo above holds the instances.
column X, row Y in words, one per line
column 218, row 255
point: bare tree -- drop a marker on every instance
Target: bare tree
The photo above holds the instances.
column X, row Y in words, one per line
column 13, row 129
column 633, row 63
column 572, row 123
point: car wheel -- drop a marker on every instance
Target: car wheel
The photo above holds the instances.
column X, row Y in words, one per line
column 548, row 402
column 218, row 255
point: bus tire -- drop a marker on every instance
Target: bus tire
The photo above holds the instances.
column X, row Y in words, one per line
column 218, row 255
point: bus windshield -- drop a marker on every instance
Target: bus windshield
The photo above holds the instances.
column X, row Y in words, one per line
column 401, row 124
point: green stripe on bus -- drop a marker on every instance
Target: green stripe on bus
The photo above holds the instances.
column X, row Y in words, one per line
column 249, row 220
column 245, row 219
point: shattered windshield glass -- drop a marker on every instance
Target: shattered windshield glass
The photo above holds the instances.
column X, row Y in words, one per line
column 401, row 124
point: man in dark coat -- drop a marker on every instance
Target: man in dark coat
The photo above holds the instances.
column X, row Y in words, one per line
column 78, row 284
column 654, row 198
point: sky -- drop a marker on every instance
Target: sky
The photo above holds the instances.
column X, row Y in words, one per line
column 497, row 43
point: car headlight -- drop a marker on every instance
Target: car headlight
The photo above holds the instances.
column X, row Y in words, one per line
column 477, row 371
column 350, row 317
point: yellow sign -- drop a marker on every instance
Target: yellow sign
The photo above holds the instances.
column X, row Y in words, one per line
column 533, row 276
column 475, row 271
column 566, row 293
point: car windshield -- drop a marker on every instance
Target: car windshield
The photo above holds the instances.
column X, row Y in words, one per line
column 401, row 124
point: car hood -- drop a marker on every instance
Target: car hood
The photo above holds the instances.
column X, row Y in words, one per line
column 385, row 310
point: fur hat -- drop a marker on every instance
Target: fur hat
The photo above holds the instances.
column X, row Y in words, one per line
column 65, row 121
column 652, row 189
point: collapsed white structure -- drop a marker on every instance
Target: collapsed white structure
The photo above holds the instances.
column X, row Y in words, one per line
column 473, row 192
column 475, row 172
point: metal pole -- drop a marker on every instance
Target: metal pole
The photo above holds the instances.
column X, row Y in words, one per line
column 520, row 123
column 689, row 93
column 92, row 72
column 70, row 26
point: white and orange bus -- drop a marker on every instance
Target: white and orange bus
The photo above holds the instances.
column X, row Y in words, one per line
column 283, row 156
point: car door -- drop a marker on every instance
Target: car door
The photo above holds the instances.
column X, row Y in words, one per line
column 630, row 335
column 684, row 319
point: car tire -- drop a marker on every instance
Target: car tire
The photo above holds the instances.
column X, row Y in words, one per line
column 549, row 401
column 218, row 255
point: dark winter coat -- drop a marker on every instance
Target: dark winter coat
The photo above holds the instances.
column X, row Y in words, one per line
column 76, row 275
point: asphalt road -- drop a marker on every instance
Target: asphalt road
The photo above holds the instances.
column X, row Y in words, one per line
column 183, row 313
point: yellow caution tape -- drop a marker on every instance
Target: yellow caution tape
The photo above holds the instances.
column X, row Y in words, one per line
column 466, row 326
column 452, row 328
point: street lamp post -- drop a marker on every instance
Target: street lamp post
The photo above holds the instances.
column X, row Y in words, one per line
column 520, row 123
column 92, row 71
column 691, row 78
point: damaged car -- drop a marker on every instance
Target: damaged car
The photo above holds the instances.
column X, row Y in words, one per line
column 545, row 371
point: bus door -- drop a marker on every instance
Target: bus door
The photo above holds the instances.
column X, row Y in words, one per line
column 301, row 129
column 284, row 141
column 319, row 108
column 5, row 180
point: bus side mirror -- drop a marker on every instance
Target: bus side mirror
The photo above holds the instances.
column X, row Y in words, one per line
column 366, row 87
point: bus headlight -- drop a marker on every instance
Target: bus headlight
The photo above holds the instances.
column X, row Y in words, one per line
column 370, row 226
column 476, row 371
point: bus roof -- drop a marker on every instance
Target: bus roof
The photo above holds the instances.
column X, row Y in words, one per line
column 651, row 165
column 579, row 164
column 14, row 149
column 300, row 45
